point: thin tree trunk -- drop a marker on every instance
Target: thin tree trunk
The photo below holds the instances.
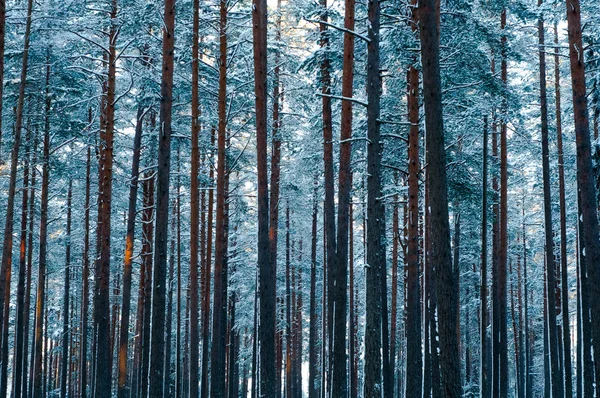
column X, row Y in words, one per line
column 485, row 357
column 123, row 389
column 233, row 371
column 219, row 327
column 289, row 352
column 579, row 325
column 353, row 323
column 194, row 210
column 206, row 284
column 26, row 380
column 38, row 387
column 275, row 177
column 503, row 227
column 170, row 281
column 495, row 349
column 586, row 335
column 299, row 326
column 146, row 293
column 20, row 330
column 66, row 332
column 313, row 369
column 85, row 272
column 555, row 370
column 438, row 191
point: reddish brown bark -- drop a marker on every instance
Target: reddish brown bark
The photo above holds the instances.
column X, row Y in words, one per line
column 555, row 368
column 413, row 310
column 329, row 190
column 20, row 331
column 102, row 299
column 339, row 267
column 38, row 387
column 502, row 333
column 563, row 225
column 157, row 358
column 7, row 243
column 219, row 327
column 122, row 388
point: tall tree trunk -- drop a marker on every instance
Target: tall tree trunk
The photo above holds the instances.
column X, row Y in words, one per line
column 555, row 370
column 394, row 295
column 547, row 387
column 584, row 168
column 20, row 330
column 353, row 323
column 128, row 262
column 313, row 366
column 276, row 145
column 38, row 387
column 438, row 191
column 299, row 326
column 267, row 278
column 586, row 335
column 579, row 346
column 178, row 390
column 495, row 349
column 324, row 293
column 289, row 302
column 503, row 227
column 26, row 381
column 145, row 292
column 413, row 305
column 275, row 177
column 375, row 214
column 219, row 342
column 102, row 300
column 66, row 333
column 484, row 314
column 194, row 209
column 339, row 268
column 170, row 281
column 206, row 284
column 162, row 206
column 233, row 372
column 329, row 190
column 7, row 243
column 85, row 272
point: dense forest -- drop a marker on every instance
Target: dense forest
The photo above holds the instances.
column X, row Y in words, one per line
column 300, row 198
